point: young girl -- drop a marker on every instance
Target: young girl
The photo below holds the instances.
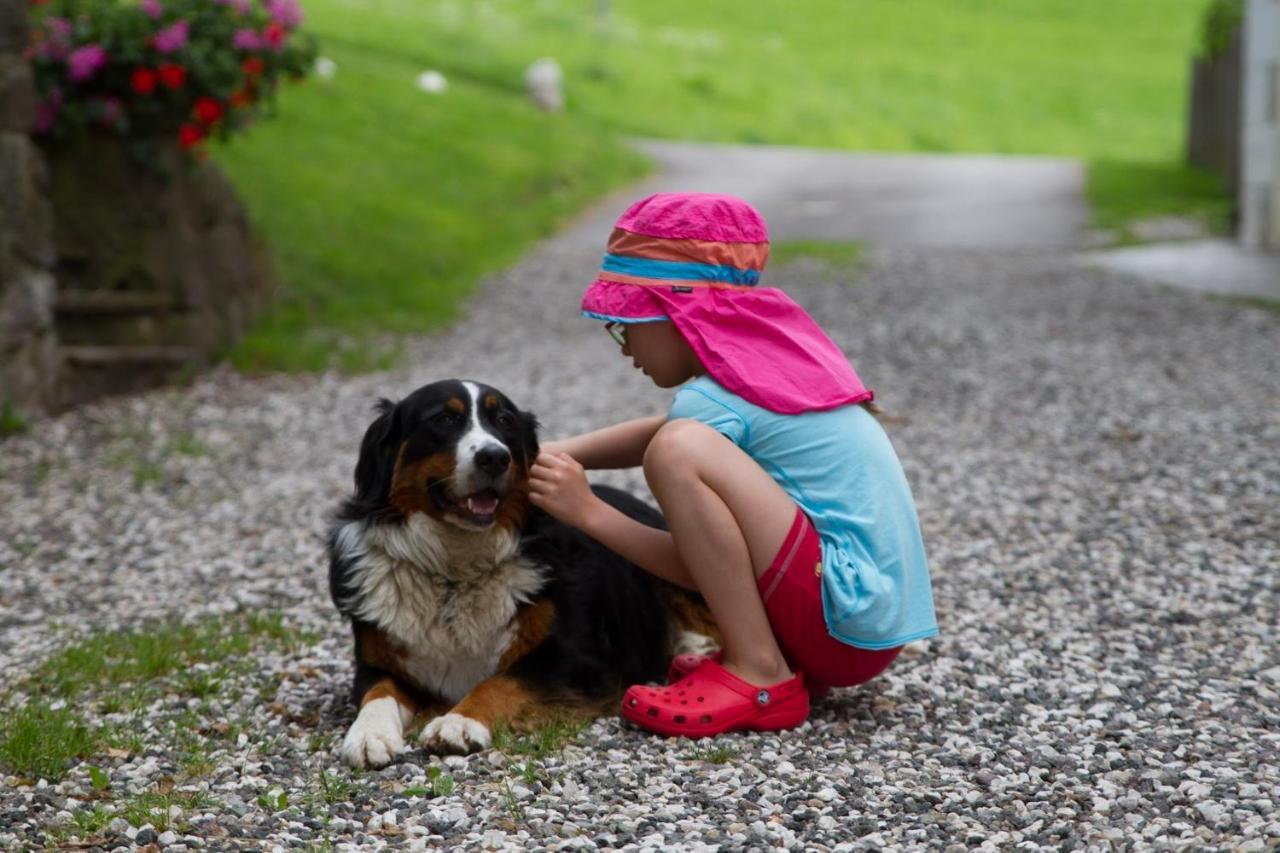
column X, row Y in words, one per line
column 799, row 530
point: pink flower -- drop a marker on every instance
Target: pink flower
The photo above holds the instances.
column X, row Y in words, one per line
column 58, row 38
column 172, row 38
column 154, row 9
column 85, row 61
column 286, row 13
column 246, row 39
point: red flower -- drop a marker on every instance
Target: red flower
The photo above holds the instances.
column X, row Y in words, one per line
column 273, row 35
column 173, row 76
column 189, row 135
column 253, row 66
column 240, row 99
column 208, row 110
column 144, row 81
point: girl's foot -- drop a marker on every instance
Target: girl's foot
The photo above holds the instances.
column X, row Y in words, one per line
column 682, row 665
column 710, row 700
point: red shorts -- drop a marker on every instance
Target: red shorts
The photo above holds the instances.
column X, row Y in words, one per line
column 791, row 589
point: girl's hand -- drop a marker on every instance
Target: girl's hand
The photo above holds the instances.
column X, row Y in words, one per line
column 558, row 485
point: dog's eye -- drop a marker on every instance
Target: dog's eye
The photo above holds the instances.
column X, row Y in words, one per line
column 443, row 419
column 505, row 420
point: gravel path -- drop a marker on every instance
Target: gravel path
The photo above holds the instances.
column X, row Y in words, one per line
column 1096, row 467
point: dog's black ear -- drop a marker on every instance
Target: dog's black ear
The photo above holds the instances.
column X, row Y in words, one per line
column 529, row 437
column 377, row 455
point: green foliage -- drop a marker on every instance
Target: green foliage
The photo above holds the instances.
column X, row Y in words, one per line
column 1121, row 192
column 12, row 421
column 40, row 741
column 1222, row 18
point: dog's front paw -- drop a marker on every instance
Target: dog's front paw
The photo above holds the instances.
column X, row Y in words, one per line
column 376, row 737
column 454, row 734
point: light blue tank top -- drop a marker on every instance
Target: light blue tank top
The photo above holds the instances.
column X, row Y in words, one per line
column 839, row 467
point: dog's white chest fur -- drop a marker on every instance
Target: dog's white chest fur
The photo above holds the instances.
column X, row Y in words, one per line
column 447, row 596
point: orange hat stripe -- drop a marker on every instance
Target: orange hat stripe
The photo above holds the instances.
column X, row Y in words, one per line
column 745, row 256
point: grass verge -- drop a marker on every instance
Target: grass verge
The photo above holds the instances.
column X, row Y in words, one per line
column 384, row 205
column 1122, row 192
column 843, row 255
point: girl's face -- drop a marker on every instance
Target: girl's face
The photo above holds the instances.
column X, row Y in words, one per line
column 661, row 352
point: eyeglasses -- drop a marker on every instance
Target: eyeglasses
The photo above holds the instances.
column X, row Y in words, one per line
column 617, row 331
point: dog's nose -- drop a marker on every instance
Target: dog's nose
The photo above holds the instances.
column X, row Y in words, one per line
column 493, row 460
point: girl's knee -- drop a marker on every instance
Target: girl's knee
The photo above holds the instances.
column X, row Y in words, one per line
column 675, row 446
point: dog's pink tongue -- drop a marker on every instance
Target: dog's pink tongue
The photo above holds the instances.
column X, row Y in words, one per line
column 482, row 504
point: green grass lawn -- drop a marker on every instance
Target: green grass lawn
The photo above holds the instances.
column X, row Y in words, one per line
column 383, row 205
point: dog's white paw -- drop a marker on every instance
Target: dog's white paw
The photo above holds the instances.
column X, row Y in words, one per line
column 693, row 643
column 377, row 735
column 454, row 734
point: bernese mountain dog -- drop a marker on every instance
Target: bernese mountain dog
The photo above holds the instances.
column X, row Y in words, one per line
column 469, row 605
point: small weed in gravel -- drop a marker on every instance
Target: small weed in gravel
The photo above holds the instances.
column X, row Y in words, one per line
column 153, row 806
column 187, row 443
column 542, row 739
column 39, row 740
column 126, row 673
column 716, row 754
column 333, row 788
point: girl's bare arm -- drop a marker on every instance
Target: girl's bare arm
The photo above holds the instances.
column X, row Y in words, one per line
column 558, row 485
column 618, row 446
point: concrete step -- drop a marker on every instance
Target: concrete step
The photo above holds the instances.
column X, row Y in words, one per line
column 112, row 302
column 128, row 356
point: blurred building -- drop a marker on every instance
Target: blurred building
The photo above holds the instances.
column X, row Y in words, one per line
column 1259, row 189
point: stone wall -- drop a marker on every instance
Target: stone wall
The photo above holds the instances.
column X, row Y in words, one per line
column 29, row 360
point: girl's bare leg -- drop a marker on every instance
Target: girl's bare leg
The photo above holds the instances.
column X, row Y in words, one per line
column 728, row 519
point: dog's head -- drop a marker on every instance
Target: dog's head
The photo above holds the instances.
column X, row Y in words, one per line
column 457, row 451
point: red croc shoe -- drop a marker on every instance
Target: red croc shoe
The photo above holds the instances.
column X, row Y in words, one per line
column 682, row 665
column 711, row 701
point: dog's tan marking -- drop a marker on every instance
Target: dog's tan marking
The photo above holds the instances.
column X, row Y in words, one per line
column 387, row 688
column 490, row 401
column 689, row 612
column 455, row 404
column 409, row 481
column 533, row 626
column 378, row 650
column 513, row 509
column 499, row 697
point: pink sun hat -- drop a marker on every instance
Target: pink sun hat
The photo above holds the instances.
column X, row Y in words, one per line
column 695, row 259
